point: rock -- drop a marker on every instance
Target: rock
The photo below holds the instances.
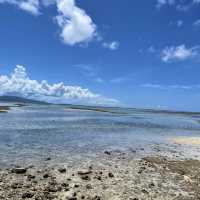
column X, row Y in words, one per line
column 27, row 195
column 16, row 185
column 144, row 191
column 187, row 179
column 30, row 176
column 52, row 188
column 65, row 185
column 85, row 177
column 110, row 175
column 98, row 178
column 107, row 152
column 88, row 186
column 76, row 185
column 86, row 172
column 46, row 175
column 96, row 198
column 62, row 170
column 71, row 198
column 48, row 158
column 19, row 170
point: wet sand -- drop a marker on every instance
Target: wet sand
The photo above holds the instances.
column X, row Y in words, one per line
column 109, row 175
column 187, row 140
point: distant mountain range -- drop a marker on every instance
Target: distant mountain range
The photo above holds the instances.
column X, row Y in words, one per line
column 21, row 100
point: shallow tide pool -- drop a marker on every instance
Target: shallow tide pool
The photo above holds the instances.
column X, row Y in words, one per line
column 37, row 131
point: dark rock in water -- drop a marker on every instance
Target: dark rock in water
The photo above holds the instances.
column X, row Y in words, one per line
column 19, row 170
column 48, row 158
column 27, row 195
column 62, row 170
column 110, row 174
column 107, row 152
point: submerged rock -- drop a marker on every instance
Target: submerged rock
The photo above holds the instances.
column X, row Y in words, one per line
column 19, row 170
column 62, row 170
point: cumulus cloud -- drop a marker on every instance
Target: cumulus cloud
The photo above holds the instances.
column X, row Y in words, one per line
column 76, row 26
column 114, row 45
column 30, row 6
column 19, row 84
column 179, row 53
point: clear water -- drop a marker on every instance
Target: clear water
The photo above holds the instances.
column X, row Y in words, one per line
column 38, row 131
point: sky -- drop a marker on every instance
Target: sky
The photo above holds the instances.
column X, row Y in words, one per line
column 133, row 53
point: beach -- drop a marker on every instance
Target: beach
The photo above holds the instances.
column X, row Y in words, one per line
column 111, row 175
column 54, row 152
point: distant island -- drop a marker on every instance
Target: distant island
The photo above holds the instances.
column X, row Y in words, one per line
column 16, row 99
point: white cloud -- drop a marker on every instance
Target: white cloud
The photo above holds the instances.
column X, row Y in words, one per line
column 180, row 5
column 179, row 23
column 179, row 53
column 167, row 87
column 196, row 1
column 161, row 3
column 30, row 6
column 76, row 26
column 197, row 23
column 111, row 45
column 19, row 83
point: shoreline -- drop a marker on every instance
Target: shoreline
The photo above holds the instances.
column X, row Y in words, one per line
column 110, row 175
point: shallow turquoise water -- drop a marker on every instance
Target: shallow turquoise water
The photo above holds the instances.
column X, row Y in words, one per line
column 36, row 131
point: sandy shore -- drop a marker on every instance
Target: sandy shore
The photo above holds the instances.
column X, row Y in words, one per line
column 187, row 140
column 110, row 175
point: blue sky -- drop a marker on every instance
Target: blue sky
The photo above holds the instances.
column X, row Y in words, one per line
column 140, row 53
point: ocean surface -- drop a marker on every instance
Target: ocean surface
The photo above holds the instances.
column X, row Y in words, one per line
column 34, row 132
